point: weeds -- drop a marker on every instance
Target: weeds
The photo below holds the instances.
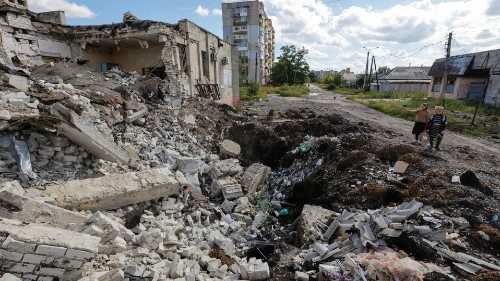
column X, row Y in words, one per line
column 459, row 112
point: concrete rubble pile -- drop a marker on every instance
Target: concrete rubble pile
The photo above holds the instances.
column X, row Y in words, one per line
column 356, row 245
column 114, row 184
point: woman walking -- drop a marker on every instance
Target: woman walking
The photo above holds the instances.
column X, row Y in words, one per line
column 420, row 122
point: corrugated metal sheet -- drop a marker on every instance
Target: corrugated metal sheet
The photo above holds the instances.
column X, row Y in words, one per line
column 458, row 66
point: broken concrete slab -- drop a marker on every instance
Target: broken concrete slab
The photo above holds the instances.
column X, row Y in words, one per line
column 85, row 134
column 115, row 191
column 228, row 167
column 36, row 234
column 13, row 187
column 254, row 176
column 230, row 148
column 27, row 210
column 18, row 82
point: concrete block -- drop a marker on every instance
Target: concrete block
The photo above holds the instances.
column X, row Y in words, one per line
column 133, row 270
column 232, row 192
column 50, row 271
column 228, row 167
column 10, row 256
column 15, row 245
column 30, row 277
column 9, row 277
column 79, row 255
column 28, row 210
column 18, row 82
column 218, row 185
column 22, row 268
column 52, row 251
column 115, row 191
column 254, row 177
column 190, row 165
column 230, row 148
column 33, row 259
column 32, row 234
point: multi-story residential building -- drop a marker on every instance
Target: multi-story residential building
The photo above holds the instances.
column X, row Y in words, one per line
column 246, row 25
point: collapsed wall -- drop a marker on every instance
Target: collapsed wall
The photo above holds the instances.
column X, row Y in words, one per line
column 35, row 251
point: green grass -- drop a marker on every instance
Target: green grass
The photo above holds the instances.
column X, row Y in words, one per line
column 459, row 112
column 264, row 91
column 292, row 91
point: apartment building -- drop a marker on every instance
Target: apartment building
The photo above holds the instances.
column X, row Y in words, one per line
column 247, row 26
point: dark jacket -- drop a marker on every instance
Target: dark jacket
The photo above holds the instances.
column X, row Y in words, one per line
column 437, row 124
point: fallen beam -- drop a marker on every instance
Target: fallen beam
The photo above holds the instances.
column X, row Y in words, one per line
column 117, row 190
column 27, row 210
column 85, row 134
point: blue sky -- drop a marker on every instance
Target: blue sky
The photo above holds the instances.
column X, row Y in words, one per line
column 334, row 31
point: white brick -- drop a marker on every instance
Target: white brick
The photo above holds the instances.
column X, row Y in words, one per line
column 79, row 255
column 9, row 277
column 29, row 277
column 11, row 256
column 34, row 259
column 18, row 246
column 50, row 271
column 45, row 278
column 52, row 251
column 22, row 268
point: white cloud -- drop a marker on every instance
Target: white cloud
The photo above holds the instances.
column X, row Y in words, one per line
column 335, row 35
column 72, row 10
column 202, row 11
column 217, row 12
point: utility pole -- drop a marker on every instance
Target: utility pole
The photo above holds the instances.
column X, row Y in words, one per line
column 376, row 73
column 444, row 81
column 368, row 86
column 256, row 66
column 366, row 70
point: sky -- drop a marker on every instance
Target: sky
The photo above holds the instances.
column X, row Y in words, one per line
column 401, row 33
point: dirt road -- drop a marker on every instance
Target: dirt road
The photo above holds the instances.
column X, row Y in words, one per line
column 461, row 152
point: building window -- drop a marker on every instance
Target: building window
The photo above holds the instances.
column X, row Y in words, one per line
column 204, row 62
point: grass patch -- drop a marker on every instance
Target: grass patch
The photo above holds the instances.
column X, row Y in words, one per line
column 459, row 112
column 250, row 92
column 292, row 91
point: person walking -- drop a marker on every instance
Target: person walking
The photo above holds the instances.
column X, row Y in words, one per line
column 436, row 126
column 422, row 116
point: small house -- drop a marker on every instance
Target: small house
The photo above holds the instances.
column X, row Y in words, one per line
column 406, row 79
column 473, row 76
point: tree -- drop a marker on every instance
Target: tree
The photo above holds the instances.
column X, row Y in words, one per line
column 243, row 70
column 360, row 79
column 334, row 81
column 291, row 68
column 383, row 70
column 312, row 77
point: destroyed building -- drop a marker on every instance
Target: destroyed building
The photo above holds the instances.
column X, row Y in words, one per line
column 192, row 59
column 113, row 175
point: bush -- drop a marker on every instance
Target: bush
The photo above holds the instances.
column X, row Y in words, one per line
column 253, row 89
column 250, row 92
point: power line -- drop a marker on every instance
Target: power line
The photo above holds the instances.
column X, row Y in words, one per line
column 456, row 43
